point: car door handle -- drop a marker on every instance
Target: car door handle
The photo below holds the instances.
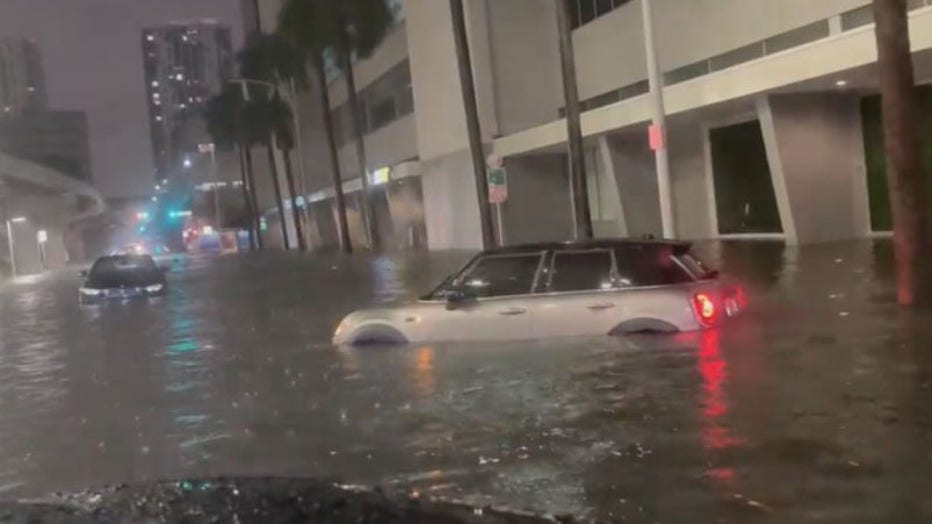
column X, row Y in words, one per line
column 511, row 312
column 600, row 307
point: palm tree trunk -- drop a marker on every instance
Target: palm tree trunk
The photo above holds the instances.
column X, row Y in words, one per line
column 253, row 198
column 581, row 213
column 247, row 201
column 346, row 244
column 472, row 122
column 295, row 214
column 273, row 170
column 368, row 217
column 905, row 176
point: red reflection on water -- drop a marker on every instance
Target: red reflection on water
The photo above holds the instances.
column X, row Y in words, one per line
column 714, row 371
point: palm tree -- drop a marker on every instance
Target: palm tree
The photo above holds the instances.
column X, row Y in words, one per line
column 263, row 117
column 271, row 59
column 281, row 122
column 223, row 118
column 905, row 175
column 350, row 28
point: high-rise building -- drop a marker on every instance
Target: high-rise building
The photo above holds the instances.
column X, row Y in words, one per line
column 185, row 63
column 22, row 77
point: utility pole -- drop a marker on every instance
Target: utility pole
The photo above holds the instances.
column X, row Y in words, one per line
column 468, row 88
column 580, row 193
column 905, row 176
column 658, row 129
column 299, row 146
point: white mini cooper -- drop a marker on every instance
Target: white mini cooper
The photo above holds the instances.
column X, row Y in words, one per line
column 595, row 287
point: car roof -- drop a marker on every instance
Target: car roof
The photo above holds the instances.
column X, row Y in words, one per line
column 126, row 256
column 678, row 247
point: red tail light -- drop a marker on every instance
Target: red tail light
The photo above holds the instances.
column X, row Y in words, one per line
column 706, row 311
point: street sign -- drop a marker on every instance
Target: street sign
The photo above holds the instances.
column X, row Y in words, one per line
column 498, row 185
column 656, row 137
column 205, row 148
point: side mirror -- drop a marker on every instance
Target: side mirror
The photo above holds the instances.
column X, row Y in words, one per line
column 165, row 269
column 83, row 273
column 459, row 296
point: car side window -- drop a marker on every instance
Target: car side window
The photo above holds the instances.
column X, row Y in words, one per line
column 581, row 270
column 502, row 275
column 649, row 266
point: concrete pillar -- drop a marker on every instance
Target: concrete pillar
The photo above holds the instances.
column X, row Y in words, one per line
column 635, row 176
column 538, row 207
column 26, row 248
column 691, row 199
column 816, row 153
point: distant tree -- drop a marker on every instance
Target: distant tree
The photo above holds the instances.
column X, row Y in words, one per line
column 349, row 28
column 223, row 115
column 271, row 59
column 905, row 176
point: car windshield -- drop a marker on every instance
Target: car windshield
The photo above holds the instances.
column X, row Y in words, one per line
column 116, row 266
column 219, row 220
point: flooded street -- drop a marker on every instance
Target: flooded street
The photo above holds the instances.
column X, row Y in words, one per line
column 814, row 407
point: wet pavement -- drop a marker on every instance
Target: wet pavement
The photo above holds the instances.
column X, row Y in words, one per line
column 814, row 407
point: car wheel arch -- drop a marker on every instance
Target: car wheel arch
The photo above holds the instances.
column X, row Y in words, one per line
column 643, row 325
column 377, row 333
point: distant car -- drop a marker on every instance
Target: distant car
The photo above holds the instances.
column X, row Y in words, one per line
column 549, row 290
column 123, row 277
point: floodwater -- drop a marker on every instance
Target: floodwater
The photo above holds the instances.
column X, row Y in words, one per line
column 814, row 407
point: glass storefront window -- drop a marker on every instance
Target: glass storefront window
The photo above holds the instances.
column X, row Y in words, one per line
column 744, row 196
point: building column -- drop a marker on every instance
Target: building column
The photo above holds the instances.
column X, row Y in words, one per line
column 816, row 156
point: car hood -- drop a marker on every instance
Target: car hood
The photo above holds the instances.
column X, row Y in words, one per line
column 250, row 500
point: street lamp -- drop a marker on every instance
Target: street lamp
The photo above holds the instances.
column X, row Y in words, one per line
column 9, row 237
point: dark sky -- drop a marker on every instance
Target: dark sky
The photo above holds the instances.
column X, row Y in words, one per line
column 93, row 62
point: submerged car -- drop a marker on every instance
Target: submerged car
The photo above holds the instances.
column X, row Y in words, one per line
column 561, row 289
column 123, row 277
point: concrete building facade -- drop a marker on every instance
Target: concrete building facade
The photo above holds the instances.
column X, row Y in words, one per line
column 773, row 127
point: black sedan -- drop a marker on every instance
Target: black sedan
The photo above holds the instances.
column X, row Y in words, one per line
column 123, row 277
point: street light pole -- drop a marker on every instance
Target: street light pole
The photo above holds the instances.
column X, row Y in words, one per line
column 296, row 122
column 9, row 237
column 658, row 131
column 213, row 170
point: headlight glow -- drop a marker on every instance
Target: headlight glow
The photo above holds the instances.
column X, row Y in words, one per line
column 90, row 292
column 155, row 288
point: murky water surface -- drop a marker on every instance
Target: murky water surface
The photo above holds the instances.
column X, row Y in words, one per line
column 816, row 406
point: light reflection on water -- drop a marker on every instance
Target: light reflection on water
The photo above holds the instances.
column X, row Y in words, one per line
column 232, row 374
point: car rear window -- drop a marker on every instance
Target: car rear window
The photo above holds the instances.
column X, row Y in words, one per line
column 502, row 275
column 116, row 265
column 649, row 266
column 581, row 270
column 696, row 267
